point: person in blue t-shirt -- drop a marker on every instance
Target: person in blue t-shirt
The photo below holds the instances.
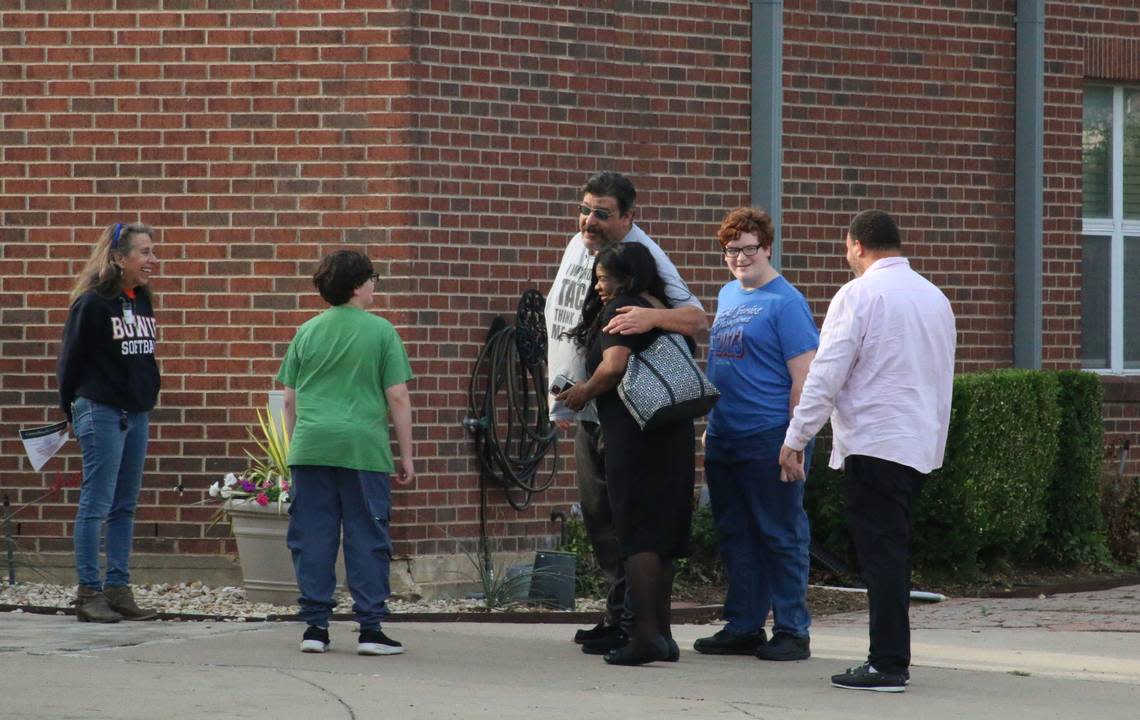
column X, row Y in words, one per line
column 761, row 344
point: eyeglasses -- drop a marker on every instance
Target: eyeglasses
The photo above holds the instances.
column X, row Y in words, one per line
column 600, row 213
column 374, row 277
column 747, row 251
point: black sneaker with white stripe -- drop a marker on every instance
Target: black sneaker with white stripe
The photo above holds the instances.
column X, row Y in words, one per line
column 375, row 642
column 866, row 677
column 315, row 640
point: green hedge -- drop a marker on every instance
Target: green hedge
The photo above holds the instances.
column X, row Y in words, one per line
column 1019, row 479
column 1076, row 531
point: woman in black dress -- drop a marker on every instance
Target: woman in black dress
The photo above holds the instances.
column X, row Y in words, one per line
column 650, row 473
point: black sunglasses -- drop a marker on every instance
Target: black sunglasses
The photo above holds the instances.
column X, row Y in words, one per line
column 601, row 213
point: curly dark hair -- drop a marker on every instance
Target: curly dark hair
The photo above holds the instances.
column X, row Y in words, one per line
column 875, row 230
column 340, row 273
column 633, row 266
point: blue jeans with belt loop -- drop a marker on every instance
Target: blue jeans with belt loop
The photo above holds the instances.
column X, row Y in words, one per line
column 764, row 535
column 326, row 500
column 113, row 458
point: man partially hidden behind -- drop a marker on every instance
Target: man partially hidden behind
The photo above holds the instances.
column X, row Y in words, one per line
column 884, row 373
column 605, row 218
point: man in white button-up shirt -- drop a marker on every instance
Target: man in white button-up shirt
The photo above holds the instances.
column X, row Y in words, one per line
column 884, row 373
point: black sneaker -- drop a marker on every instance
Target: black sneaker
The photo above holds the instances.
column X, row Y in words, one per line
column 610, row 641
column 315, row 639
column 730, row 643
column 783, row 646
column 597, row 632
column 866, row 677
column 375, row 642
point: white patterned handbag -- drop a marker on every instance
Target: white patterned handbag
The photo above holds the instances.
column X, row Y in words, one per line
column 663, row 384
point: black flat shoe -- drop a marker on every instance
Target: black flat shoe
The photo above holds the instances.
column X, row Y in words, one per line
column 635, row 653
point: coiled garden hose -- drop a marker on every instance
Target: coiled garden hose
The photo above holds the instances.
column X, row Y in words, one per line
column 507, row 411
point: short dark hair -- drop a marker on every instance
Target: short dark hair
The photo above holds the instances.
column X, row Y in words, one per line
column 875, row 230
column 340, row 273
column 611, row 184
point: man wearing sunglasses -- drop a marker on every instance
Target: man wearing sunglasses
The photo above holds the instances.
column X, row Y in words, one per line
column 605, row 218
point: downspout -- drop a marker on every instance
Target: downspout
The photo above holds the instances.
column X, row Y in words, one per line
column 1029, row 184
column 767, row 111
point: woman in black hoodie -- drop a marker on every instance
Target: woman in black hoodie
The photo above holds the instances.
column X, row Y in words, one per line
column 108, row 383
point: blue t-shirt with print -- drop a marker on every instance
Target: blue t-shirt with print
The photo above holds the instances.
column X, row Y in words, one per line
column 754, row 335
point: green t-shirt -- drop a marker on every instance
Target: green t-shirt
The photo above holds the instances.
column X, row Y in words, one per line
column 339, row 363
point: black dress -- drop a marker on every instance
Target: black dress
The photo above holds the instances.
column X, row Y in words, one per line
column 649, row 474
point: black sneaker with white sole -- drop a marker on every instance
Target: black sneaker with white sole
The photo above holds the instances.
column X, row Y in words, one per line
column 315, row 640
column 375, row 642
column 598, row 632
column 725, row 642
column 783, row 647
column 866, row 677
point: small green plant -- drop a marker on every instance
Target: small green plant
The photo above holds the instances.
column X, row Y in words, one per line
column 704, row 565
column 273, row 443
column 1120, row 502
column 589, row 581
column 500, row 588
column 267, row 480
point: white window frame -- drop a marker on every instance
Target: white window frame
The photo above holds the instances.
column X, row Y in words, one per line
column 1115, row 228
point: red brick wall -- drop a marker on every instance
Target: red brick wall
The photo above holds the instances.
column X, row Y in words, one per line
column 447, row 139
column 908, row 107
column 255, row 137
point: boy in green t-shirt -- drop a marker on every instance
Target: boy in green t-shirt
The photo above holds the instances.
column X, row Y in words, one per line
column 345, row 374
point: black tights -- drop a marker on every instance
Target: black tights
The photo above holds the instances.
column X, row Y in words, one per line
column 650, row 579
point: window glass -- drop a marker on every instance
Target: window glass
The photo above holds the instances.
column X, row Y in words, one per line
column 1096, row 155
column 1131, row 303
column 1095, row 298
column 1131, row 149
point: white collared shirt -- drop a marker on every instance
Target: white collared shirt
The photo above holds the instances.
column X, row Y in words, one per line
column 884, row 370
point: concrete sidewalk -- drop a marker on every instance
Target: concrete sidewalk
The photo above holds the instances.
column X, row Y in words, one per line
column 1072, row 656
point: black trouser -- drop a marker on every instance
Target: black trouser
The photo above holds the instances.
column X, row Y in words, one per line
column 599, row 518
column 880, row 494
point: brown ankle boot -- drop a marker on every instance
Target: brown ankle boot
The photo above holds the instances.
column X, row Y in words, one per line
column 122, row 601
column 91, row 606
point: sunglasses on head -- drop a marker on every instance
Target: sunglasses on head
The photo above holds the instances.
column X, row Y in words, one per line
column 601, row 213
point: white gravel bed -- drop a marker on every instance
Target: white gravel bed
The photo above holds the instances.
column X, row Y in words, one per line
column 194, row 598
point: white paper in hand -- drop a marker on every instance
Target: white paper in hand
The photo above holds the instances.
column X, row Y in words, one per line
column 41, row 443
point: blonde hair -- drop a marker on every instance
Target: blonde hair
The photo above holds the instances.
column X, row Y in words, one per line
column 100, row 273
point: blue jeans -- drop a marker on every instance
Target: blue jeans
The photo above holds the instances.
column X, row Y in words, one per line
column 763, row 532
column 112, row 474
column 325, row 500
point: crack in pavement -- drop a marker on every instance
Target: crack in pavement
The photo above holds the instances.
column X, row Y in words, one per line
column 338, row 698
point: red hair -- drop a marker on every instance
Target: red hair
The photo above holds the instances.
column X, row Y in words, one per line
column 746, row 220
